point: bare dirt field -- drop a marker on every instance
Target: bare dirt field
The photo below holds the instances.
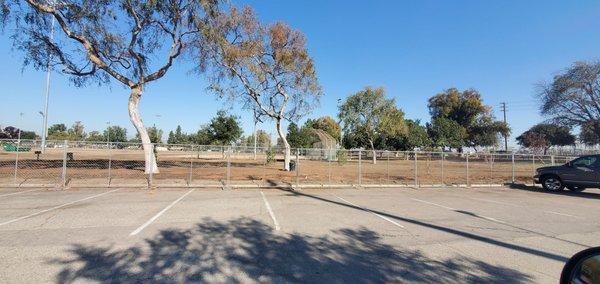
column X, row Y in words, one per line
column 198, row 167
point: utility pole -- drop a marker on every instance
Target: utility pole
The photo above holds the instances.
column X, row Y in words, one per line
column 503, row 108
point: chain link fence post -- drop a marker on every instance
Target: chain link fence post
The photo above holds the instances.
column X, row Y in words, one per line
column 151, row 173
column 263, row 178
column 228, row 179
column 329, row 167
column 16, row 163
column 416, row 170
column 468, row 183
column 533, row 167
column 297, row 168
column 191, row 166
column 359, row 167
column 443, row 178
column 387, row 167
column 109, row 162
column 64, row 167
column 513, row 167
column 491, row 169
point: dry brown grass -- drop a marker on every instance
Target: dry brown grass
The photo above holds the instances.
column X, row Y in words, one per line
column 213, row 166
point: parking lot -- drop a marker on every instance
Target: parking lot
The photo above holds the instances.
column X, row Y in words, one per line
column 500, row 234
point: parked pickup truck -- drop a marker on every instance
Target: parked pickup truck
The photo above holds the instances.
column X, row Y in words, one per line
column 576, row 175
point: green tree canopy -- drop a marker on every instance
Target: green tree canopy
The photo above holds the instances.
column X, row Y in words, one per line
column 355, row 139
column 57, row 128
column 154, row 133
column 543, row 136
column 115, row 133
column 328, row 125
column 225, row 129
column 263, row 139
column 416, row 137
column 370, row 113
column 11, row 132
column 95, row 136
column 588, row 134
column 76, row 132
column 203, row 136
column 466, row 108
column 445, row 132
column 178, row 137
column 296, row 137
column 58, row 131
column 485, row 132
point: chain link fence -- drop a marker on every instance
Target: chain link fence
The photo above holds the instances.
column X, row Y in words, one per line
column 105, row 164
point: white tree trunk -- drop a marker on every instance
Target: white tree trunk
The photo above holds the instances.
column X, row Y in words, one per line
column 286, row 145
column 374, row 152
column 134, row 115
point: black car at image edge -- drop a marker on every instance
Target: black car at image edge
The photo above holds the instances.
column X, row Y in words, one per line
column 576, row 175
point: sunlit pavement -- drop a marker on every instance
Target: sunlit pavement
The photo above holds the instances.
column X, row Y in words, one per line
column 263, row 235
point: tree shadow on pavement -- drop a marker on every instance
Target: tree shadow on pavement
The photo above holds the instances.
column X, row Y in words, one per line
column 244, row 250
column 449, row 230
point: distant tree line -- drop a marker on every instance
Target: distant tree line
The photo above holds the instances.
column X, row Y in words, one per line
column 459, row 119
column 11, row 132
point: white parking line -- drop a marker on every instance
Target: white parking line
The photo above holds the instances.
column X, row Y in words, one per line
column 365, row 209
column 57, row 207
column 142, row 227
column 434, row 204
column 270, row 211
column 20, row 192
column 459, row 211
column 562, row 214
column 493, row 201
column 519, row 206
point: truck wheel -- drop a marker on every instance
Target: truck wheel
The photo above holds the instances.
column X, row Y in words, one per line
column 552, row 183
column 576, row 188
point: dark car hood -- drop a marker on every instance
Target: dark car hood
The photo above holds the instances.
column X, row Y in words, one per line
column 551, row 168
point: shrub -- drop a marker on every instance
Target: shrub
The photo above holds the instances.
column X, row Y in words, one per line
column 270, row 156
column 341, row 156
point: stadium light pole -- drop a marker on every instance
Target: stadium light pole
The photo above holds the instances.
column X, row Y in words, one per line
column 158, row 116
column 108, row 133
column 45, row 126
column 42, row 114
column 20, row 126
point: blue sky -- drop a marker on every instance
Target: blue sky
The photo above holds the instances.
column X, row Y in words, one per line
column 414, row 49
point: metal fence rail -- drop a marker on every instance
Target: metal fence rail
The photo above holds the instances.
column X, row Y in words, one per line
column 102, row 164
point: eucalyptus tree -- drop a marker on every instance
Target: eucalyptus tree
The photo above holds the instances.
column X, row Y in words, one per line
column 267, row 67
column 134, row 42
column 370, row 113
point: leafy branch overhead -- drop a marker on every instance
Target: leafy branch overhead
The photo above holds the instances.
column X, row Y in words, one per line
column 118, row 39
